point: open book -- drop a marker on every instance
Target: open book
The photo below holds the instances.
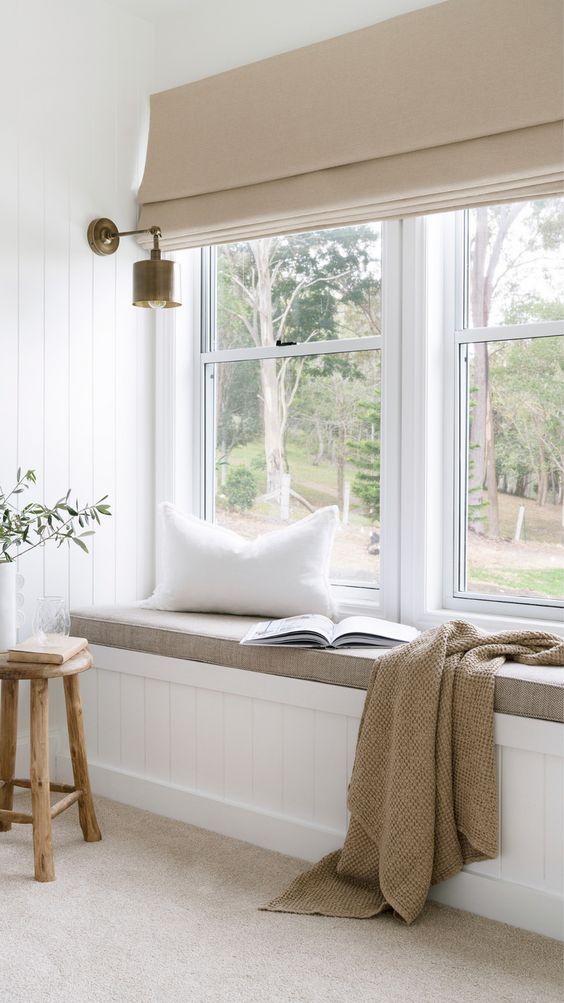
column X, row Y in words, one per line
column 313, row 631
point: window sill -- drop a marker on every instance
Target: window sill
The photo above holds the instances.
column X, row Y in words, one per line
column 352, row 600
column 488, row 621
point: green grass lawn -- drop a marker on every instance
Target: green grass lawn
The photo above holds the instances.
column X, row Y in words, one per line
column 318, row 483
column 544, row 581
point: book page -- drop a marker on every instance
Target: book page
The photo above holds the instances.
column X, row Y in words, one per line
column 290, row 625
column 374, row 627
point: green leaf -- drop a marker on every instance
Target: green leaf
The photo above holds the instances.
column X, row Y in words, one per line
column 80, row 544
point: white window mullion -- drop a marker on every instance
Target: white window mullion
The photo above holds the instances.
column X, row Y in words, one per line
column 336, row 347
column 509, row 332
column 390, row 451
column 487, row 610
column 412, row 508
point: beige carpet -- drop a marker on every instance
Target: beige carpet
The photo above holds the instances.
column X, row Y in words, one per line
column 163, row 911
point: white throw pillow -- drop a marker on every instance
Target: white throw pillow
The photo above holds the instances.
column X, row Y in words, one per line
column 210, row 569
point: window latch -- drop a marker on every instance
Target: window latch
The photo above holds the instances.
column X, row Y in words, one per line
column 284, row 344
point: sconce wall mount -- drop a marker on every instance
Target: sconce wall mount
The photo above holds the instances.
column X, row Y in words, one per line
column 156, row 282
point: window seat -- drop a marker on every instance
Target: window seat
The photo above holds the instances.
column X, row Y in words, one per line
column 520, row 690
column 265, row 754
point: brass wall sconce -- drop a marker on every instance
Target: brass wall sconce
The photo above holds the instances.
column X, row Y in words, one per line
column 156, row 282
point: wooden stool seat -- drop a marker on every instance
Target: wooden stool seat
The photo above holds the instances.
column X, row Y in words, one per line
column 42, row 813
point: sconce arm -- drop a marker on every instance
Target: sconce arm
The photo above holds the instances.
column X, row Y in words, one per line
column 155, row 230
column 103, row 236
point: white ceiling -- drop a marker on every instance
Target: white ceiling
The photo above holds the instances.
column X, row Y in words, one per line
column 159, row 11
column 154, row 10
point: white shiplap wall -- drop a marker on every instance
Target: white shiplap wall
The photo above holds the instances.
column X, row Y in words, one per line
column 76, row 359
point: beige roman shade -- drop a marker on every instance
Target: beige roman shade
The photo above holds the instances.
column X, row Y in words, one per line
column 460, row 103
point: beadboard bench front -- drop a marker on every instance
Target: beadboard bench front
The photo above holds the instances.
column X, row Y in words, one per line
column 266, row 757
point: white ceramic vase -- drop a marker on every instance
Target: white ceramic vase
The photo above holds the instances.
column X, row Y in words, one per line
column 10, row 601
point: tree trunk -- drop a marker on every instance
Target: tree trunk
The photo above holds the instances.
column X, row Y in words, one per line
column 341, row 455
column 482, row 439
column 542, row 481
column 273, row 436
column 491, row 474
column 273, row 439
column 478, row 390
column 321, row 444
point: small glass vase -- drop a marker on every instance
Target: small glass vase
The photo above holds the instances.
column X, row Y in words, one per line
column 51, row 621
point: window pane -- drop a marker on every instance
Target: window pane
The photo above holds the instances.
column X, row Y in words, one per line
column 516, row 263
column 305, row 287
column 295, row 435
column 515, row 469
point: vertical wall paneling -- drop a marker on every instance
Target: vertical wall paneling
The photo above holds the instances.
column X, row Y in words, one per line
column 298, row 762
column 77, row 357
column 80, row 307
column 9, row 294
column 109, row 716
column 127, row 345
column 267, row 755
column 554, row 822
column 238, row 748
column 31, row 343
column 209, row 739
column 183, row 735
column 522, row 806
column 104, row 296
column 330, row 769
column 132, row 727
column 56, row 364
column 157, row 729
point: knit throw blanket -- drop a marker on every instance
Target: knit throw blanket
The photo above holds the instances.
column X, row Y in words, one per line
column 422, row 796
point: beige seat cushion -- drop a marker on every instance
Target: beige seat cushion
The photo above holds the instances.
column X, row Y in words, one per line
column 529, row 691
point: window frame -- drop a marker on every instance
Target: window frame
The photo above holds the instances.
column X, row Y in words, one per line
column 422, row 297
column 351, row 598
column 458, row 335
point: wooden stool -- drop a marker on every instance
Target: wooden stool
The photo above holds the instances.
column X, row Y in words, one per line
column 42, row 812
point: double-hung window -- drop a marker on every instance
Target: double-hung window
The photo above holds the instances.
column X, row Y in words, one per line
column 291, row 390
column 409, row 373
column 509, row 375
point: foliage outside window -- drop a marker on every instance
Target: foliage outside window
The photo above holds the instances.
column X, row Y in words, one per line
column 512, row 404
column 294, row 403
column 295, row 431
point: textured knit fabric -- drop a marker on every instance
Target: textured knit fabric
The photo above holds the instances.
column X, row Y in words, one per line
column 422, row 796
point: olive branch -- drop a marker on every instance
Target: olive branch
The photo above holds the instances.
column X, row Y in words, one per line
column 34, row 525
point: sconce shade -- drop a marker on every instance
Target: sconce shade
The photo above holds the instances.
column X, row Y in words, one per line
column 156, row 283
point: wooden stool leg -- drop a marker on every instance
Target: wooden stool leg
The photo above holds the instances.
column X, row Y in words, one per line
column 77, row 743
column 8, row 740
column 39, row 774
